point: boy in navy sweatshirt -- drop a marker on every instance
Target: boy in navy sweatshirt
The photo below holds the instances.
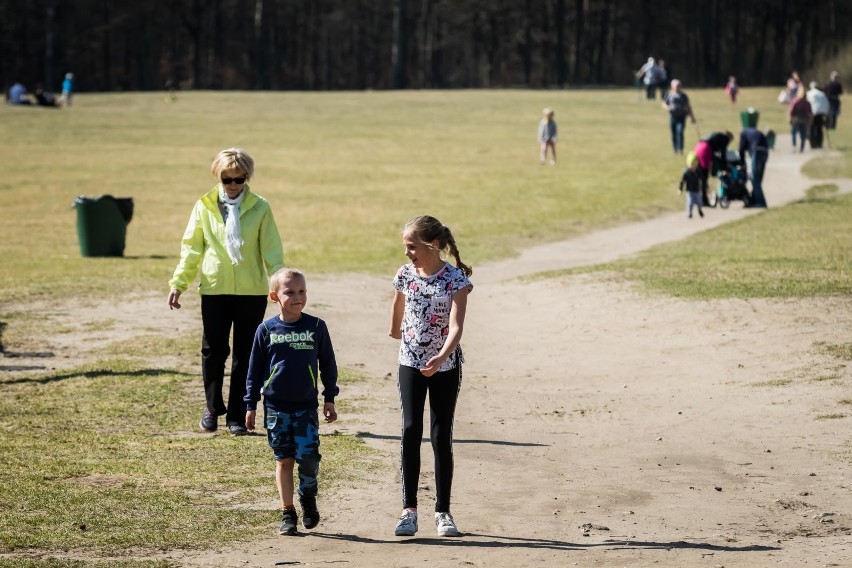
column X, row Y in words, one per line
column 290, row 351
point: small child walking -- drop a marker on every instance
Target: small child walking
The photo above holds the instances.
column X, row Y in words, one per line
column 692, row 182
column 732, row 89
column 547, row 137
column 289, row 352
column 429, row 305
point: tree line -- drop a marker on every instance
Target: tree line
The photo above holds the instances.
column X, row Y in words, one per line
column 115, row 45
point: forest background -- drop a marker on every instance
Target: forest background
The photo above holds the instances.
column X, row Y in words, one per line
column 112, row 45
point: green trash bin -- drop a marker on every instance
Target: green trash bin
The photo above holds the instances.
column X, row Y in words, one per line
column 749, row 118
column 102, row 224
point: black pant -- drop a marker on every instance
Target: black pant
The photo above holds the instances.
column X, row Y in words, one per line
column 443, row 389
column 218, row 314
column 815, row 131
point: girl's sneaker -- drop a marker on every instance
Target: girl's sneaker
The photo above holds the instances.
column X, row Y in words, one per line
column 446, row 525
column 407, row 524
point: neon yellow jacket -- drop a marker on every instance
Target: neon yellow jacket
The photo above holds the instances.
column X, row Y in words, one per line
column 204, row 244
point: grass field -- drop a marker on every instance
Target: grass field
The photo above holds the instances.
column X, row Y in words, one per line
column 343, row 171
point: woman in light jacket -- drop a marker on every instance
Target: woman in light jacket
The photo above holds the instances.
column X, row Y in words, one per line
column 232, row 237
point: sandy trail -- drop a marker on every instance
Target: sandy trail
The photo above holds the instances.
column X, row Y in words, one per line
column 597, row 425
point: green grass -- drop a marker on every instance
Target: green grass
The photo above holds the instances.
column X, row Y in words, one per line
column 839, row 350
column 802, row 250
column 343, row 172
column 102, row 461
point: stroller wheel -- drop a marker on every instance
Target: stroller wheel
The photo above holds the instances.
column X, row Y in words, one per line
column 746, row 201
column 724, row 203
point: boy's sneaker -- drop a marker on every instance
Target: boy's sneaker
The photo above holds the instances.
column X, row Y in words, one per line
column 407, row 524
column 289, row 519
column 446, row 525
column 310, row 514
column 209, row 421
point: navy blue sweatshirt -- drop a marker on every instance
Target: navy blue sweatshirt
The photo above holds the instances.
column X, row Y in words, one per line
column 286, row 360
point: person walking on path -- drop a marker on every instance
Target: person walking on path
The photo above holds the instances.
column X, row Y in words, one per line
column 290, row 351
column 429, row 305
column 833, row 90
column 756, row 144
column 692, row 182
column 820, row 108
column 799, row 115
column 677, row 103
column 232, row 238
column 547, row 135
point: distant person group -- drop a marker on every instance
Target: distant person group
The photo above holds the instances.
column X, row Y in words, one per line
column 654, row 76
column 813, row 112
column 810, row 113
column 18, row 94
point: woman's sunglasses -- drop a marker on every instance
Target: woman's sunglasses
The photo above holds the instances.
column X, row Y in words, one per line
column 238, row 181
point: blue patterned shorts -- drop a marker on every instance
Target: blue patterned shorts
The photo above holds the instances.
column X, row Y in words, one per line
column 293, row 434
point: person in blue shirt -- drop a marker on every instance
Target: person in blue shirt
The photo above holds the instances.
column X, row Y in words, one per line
column 291, row 351
column 67, row 89
column 18, row 95
column 547, row 136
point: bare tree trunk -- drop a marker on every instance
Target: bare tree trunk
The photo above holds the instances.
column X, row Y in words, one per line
column 604, row 33
column 561, row 71
column 579, row 26
column 105, row 47
column 526, row 46
column 399, row 53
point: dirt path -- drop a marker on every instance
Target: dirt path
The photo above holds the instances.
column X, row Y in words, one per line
column 598, row 426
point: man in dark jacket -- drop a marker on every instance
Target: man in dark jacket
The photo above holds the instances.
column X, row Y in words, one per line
column 756, row 144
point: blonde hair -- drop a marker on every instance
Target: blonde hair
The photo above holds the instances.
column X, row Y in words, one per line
column 281, row 274
column 548, row 112
column 232, row 159
column 427, row 229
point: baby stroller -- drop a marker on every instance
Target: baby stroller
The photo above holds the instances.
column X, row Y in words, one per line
column 732, row 182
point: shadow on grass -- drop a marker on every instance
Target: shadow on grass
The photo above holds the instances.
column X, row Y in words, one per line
column 151, row 257
column 94, row 374
column 493, row 541
column 372, row 436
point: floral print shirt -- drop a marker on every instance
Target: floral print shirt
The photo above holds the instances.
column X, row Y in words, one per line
column 426, row 320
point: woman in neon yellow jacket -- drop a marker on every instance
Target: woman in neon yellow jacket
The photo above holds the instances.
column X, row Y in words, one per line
column 232, row 237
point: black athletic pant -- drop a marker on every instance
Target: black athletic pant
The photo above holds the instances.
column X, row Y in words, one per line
column 443, row 391
column 218, row 314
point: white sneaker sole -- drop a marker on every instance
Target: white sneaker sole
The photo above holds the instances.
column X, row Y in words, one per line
column 405, row 532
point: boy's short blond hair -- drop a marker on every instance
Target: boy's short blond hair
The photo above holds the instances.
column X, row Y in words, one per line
column 279, row 275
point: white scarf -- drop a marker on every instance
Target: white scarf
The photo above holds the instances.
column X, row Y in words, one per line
column 233, row 239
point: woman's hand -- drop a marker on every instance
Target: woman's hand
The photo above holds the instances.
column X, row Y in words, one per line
column 174, row 297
